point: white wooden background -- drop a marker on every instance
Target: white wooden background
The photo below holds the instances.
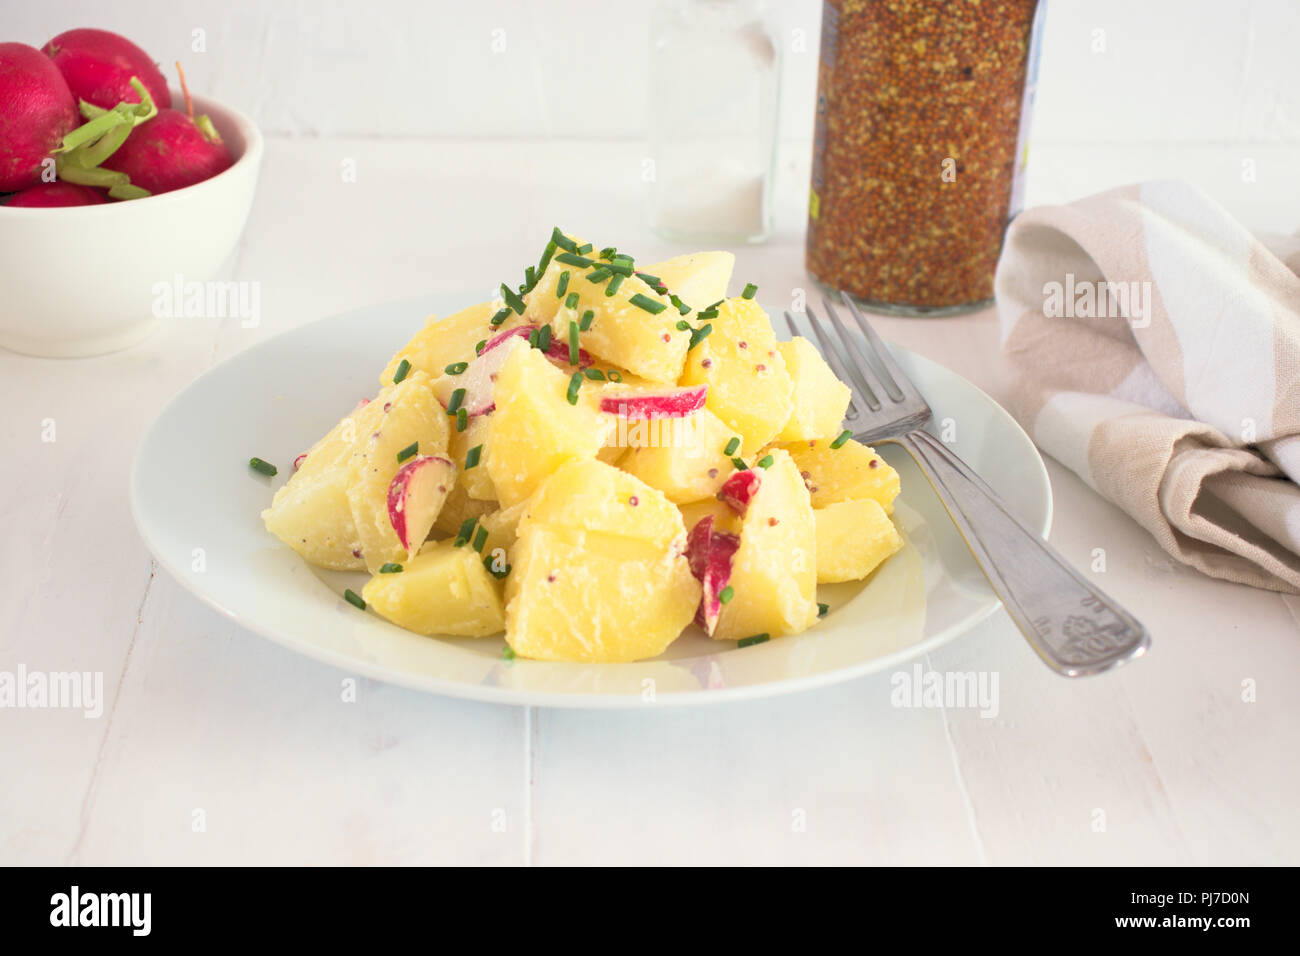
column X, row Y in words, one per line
column 1161, row 762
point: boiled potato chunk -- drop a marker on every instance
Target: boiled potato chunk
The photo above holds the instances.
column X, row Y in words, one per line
column 842, row 474
column 690, row 465
column 534, row 429
column 444, row 341
column 442, row 590
column 853, row 538
column 477, row 480
column 599, row 571
column 820, row 399
column 749, row 387
column 774, row 574
column 698, row 278
column 459, row 507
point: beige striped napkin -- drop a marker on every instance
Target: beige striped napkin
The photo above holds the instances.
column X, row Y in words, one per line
column 1157, row 352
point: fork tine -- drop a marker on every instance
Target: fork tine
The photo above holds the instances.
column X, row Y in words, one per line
column 859, row 367
column 848, row 370
column 894, row 378
column 851, row 414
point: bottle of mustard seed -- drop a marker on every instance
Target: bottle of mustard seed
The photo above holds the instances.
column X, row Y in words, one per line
column 919, row 148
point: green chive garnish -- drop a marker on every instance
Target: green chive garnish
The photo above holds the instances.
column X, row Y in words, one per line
column 546, row 257
column 575, row 383
column 478, row 349
column 682, row 307
column 699, row 335
column 756, row 639
column 562, row 241
column 597, row 276
column 750, row 291
column 595, row 374
column 456, row 368
column 544, row 337
column 732, row 447
column 844, row 436
column 472, row 456
column 489, row 562
column 571, row 300
column 583, row 249
column 462, row 419
column 466, row 529
column 726, row 594
column 823, row 609
column 390, row 568
column 739, row 464
column 652, row 281
column 532, row 338
column 530, row 278
column 614, row 283
column 408, row 452
column 587, row 316
column 480, row 538
column 614, row 375
column 622, row 265
column 500, row 317
column 353, row 598
column 454, row 402
column 573, row 343
column 403, row 367
column 682, row 325
column 650, row 305
column 766, row 461
column 508, row 653
column 609, row 252
column 512, row 299
column 562, row 286
column 263, row 467
column 569, row 259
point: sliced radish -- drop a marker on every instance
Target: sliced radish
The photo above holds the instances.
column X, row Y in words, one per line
column 416, row 495
column 297, row 462
column 670, row 403
column 479, row 379
column 739, row 490
column 710, row 555
column 697, row 546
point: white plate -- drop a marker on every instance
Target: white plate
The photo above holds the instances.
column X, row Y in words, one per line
column 192, row 489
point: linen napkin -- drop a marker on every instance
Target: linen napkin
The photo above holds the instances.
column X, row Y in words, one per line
column 1156, row 348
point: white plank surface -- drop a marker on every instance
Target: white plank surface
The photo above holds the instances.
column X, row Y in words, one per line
column 201, row 716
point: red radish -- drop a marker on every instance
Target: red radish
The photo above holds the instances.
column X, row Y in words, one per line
column 170, row 152
column 36, row 111
column 557, row 351
column 739, row 490
column 56, row 194
column 710, row 555
column 98, row 66
column 670, row 403
column 479, row 379
column 416, row 495
column 297, row 462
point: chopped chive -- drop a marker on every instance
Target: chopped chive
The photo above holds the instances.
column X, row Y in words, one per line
column 682, row 325
column 583, row 249
column 472, row 456
column 571, row 300
column 544, row 337
column 500, row 317
column 614, row 283
column 750, row 291
column 707, row 314
column 597, row 276
column 726, row 594
column 409, row 451
column 353, row 598
column 562, row 241
column 512, row 299
column 732, row 447
column 456, row 368
column 562, row 286
column 263, row 467
column 766, row 461
column 457, row 397
column 587, row 316
column 546, row 257
column 614, row 375
column 700, row 334
column 575, row 383
column 648, row 279
column 569, row 259
column 573, row 343
column 844, row 436
column 756, row 639
column 648, row 304
column 823, row 609
column 739, row 464
column 466, row 529
column 530, row 278
column 478, row 349
column 595, row 374
column 682, row 307
column 403, row 367
column 480, row 538
column 462, row 419
column 620, row 266
column 609, row 252
column 532, row 338
column 508, row 653
column 390, row 568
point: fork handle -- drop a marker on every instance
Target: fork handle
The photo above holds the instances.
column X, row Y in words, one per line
column 1072, row 625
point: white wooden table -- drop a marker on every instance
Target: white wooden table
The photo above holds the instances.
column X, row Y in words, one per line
column 216, row 746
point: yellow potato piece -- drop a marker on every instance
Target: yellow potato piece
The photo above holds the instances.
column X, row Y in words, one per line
column 820, row 399
column 853, row 539
column 683, row 457
column 842, row 474
column 698, row 278
column 444, row 341
column 443, row 590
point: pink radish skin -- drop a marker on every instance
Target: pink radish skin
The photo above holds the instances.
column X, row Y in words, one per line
column 169, row 152
column 98, row 66
column 49, row 195
column 36, row 111
column 739, row 490
column 710, row 555
column 416, row 495
column 557, row 352
column 674, row 403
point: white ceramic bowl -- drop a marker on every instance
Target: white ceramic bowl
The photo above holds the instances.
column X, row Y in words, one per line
column 82, row 280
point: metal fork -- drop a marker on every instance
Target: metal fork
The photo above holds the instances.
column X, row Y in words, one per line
column 1076, row 629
